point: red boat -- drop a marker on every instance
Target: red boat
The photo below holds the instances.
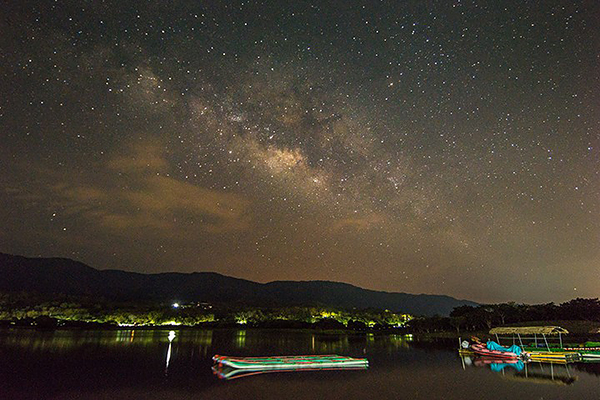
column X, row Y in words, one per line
column 481, row 350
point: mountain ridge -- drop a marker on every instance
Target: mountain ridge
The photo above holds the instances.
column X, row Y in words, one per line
column 57, row 275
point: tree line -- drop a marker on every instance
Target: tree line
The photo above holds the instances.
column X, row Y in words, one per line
column 486, row 316
column 28, row 309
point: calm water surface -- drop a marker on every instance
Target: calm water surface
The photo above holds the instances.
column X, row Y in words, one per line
column 139, row 364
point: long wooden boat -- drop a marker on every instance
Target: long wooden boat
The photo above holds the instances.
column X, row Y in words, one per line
column 589, row 351
column 589, row 356
column 290, row 362
column 541, row 349
column 481, row 350
column 586, row 353
column 554, row 356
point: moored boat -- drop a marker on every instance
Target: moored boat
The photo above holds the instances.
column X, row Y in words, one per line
column 536, row 341
column 554, row 356
column 481, row 349
column 590, row 351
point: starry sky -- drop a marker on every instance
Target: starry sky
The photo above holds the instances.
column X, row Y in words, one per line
column 448, row 147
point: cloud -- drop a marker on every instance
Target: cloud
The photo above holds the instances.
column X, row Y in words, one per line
column 142, row 156
column 144, row 196
column 165, row 197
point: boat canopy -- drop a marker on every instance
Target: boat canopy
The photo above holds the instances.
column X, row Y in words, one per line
column 528, row 330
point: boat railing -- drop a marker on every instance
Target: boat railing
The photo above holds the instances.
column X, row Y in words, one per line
column 536, row 338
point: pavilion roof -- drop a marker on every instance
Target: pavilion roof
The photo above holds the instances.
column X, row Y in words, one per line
column 528, row 330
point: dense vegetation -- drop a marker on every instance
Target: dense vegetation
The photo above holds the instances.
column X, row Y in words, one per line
column 484, row 317
column 27, row 309
column 42, row 310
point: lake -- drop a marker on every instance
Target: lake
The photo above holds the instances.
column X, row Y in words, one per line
column 144, row 364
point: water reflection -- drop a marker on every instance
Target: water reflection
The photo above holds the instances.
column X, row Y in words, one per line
column 228, row 373
column 531, row 372
column 316, row 342
column 170, row 337
column 240, row 339
column 154, row 364
column 253, row 341
column 203, row 339
column 67, row 340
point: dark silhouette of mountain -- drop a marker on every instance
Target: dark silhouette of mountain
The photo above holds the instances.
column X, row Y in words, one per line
column 65, row 276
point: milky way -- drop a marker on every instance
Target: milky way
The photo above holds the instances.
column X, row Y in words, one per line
column 427, row 147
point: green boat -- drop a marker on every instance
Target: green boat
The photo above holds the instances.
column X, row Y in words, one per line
column 589, row 351
column 290, row 362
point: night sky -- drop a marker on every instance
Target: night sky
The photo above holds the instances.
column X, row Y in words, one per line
column 448, row 147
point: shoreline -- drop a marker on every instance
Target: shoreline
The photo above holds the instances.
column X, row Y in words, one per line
column 201, row 328
column 443, row 336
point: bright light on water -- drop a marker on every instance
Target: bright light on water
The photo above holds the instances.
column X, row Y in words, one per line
column 171, row 337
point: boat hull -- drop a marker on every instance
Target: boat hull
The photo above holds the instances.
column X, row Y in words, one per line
column 554, row 356
column 587, row 353
column 590, row 357
column 482, row 350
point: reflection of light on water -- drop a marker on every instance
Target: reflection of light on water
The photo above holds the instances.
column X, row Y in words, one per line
column 240, row 339
column 399, row 341
column 204, row 341
column 204, row 338
column 168, row 356
column 171, row 337
column 125, row 335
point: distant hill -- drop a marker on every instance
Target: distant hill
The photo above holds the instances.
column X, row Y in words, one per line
column 61, row 275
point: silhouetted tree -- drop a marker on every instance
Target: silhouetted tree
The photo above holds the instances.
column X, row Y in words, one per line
column 581, row 309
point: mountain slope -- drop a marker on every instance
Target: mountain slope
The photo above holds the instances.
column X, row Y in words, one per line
column 60, row 275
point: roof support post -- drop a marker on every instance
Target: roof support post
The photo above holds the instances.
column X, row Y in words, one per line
column 560, row 338
column 520, row 341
